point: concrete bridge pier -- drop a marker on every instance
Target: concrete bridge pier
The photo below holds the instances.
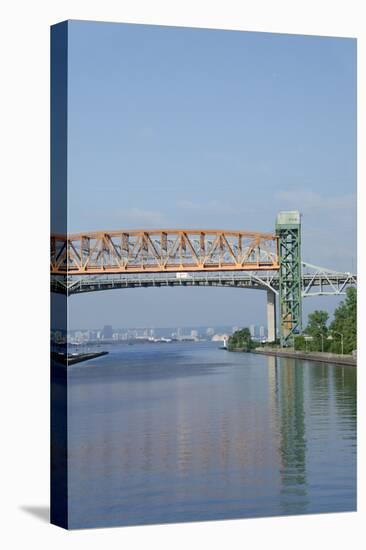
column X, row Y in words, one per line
column 271, row 315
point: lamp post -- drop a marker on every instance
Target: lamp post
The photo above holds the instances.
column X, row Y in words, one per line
column 341, row 335
column 322, row 337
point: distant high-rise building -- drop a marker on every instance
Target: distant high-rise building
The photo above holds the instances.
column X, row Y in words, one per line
column 252, row 330
column 107, row 332
column 262, row 333
column 210, row 331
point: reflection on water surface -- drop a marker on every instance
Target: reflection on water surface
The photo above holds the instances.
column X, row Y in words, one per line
column 185, row 432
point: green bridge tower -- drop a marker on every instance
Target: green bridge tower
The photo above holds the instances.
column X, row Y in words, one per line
column 288, row 231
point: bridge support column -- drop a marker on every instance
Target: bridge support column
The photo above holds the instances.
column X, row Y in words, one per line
column 288, row 230
column 271, row 315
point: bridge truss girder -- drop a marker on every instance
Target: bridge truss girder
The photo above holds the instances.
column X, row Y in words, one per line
column 315, row 281
column 172, row 250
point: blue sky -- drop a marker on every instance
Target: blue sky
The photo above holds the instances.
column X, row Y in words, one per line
column 177, row 127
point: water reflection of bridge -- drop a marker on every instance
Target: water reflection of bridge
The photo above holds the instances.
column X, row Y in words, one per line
column 286, row 387
column 258, row 439
column 307, row 400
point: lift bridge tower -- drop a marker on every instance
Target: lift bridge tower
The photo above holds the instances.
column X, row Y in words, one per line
column 288, row 231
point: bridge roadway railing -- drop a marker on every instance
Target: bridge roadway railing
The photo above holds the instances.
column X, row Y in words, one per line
column 316, row 281
column 92, row 283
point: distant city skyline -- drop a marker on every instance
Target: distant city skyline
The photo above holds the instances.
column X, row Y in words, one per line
column 109, row 334
column 174, row 127
column 209, row 329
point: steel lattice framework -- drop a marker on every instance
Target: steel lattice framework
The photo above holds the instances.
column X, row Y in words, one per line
column 157, row 251
column 288, row 230
column 315, row 281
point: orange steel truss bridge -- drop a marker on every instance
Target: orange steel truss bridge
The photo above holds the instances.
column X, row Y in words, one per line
column 162, row 251
column 89, row 262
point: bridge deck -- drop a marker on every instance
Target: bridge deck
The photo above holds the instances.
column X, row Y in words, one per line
column 317, row 283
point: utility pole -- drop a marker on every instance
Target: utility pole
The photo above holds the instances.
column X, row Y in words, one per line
column 341, row 335
column 322, row 337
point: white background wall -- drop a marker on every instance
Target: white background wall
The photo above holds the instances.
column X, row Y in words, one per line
column 24, row 287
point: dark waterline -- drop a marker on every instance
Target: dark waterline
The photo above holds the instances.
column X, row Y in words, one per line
column 184, row 432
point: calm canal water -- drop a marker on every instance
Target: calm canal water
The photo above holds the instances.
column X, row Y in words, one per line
column 181, row 432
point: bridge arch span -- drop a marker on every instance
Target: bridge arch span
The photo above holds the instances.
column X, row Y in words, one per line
column 252, row 281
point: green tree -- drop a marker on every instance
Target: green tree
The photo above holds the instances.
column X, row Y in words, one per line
column 241, row 339
column 345, row 324
column 299, row 343
column 318, row 329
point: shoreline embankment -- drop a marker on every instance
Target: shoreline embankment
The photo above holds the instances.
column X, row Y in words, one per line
column 77, row 358
column 319, row 356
